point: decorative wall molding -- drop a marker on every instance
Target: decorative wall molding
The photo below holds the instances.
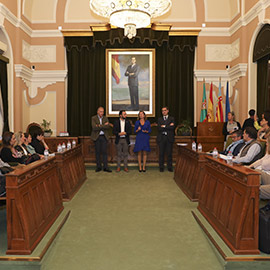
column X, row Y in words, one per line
column 232, row 75
column 222, row 52
column 39, row 53
column 35, row 79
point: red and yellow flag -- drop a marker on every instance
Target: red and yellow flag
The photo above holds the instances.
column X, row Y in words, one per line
column 116, row 68
column 219, row 107
column 210, row 109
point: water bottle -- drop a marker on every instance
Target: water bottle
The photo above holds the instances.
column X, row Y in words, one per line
column 68, row 145
column 63, row 147
column 215, row 153
column 73, row 143
column 199, row 147
column 46, row 153
column 59, row 148
column 230, row 158
column 193, row 146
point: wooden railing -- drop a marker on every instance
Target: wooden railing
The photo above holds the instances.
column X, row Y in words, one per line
column 34, row 202
column 88, row 148
column 188, row 171
column 71, row 169
column 229, row 200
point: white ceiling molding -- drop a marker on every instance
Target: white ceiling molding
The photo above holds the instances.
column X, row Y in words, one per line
column 231, row 74
column 46, row 33
column 207, row 19
column 35, row 79
column 207, row 31
column 7, row 14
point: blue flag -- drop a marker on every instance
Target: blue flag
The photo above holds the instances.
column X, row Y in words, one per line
column 228, row 109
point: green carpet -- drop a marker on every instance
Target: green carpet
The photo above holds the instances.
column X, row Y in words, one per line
column 130, row 221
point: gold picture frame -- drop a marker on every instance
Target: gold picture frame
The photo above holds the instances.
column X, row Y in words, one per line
column 130, row 81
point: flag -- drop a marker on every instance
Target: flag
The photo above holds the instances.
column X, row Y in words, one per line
column 116, row 68
column 219, row 107
column 210, row 109
column 203, row 117
column 228, row 109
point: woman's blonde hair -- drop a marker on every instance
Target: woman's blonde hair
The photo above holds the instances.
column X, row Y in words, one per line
column 18, row 136
column 145, row 117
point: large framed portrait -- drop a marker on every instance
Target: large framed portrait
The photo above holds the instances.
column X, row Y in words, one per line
column 130, row 82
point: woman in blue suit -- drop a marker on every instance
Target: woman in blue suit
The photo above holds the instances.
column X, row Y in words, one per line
column 142, row 129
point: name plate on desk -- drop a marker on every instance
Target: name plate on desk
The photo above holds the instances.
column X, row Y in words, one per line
column 63, row 134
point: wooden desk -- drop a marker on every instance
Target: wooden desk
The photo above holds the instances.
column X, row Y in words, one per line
column 34, row 202
column 88, row 148
column 229, row 200
column 71, row 169
column 209, row 134
column 53, row 142
column 188, row 171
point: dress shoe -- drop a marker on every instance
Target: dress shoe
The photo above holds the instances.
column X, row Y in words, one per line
column 140, row 170
column 118, row 169
column 161, row 169
column 98, row 169
column 107, row 170
column 170, row 169
column 126, row 169
column 144, row 170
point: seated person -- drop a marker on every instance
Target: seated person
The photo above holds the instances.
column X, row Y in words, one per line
column 263, row 166
column 230, row 126
column 265, row 127
column 27, row 141
column 19, row 145
column 38, row 142
column 252, row 150
column 236, row 145
column 8, row 153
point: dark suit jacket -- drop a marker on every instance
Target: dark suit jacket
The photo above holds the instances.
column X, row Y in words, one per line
column 133, row 79
column 117, row 130
column 96, row 130
column 168, row 128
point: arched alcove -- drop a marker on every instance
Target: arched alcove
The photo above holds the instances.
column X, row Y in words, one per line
column 261, row 55
column 9, row 54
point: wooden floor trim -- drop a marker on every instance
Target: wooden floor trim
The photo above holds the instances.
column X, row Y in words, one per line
column 223, row 255
column 38, row 258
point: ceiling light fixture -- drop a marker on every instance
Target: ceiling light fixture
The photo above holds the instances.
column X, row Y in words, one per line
column 130, row 14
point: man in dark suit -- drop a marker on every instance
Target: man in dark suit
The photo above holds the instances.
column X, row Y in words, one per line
column 122, row 130
column 100, row 135
column 133, row 83
column 165, row 138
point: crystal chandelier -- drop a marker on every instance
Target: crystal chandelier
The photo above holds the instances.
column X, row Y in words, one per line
column 130, row 14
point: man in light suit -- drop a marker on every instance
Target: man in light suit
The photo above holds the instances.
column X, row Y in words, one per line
column 122, row 130
column 133, row 83
column 165, row 138
column 100, row 135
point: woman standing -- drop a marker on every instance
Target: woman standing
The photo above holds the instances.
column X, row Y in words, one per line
column 142, row 129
